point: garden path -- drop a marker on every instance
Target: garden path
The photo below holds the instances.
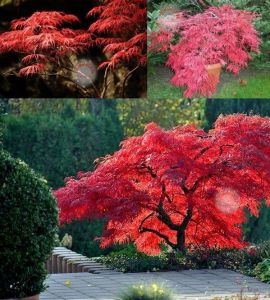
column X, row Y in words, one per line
column 192, row 285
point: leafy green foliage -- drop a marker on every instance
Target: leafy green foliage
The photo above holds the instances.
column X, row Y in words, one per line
column 146, row 292
column 191, row 6
column 262, row 270
column 59, row 144
column 257, row 230
column 135, row 115
column 128, row 260
column 215, row 107
column 28, row 222
column 58, row 137
column 84, row 237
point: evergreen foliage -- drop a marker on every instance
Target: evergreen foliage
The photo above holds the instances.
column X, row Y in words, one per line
column 57, row 144
column 28, row 222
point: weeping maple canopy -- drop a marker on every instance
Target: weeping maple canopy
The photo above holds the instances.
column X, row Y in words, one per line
column 44, row 38
column 182, row 187
column 121, row 30
column 219, row 35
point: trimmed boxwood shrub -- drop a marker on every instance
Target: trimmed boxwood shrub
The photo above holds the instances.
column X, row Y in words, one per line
column 28, row 224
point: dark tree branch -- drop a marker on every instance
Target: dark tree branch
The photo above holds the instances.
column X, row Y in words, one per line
column 145, row 219
column 106, row 83
column 162, row 214
column 126, row 79
column 162, row 236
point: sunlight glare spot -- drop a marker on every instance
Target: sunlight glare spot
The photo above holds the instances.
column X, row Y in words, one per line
column 85, row 72
column 227, row 201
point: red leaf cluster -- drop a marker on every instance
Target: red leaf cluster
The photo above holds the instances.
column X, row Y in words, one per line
column 42, row 38
column 182, row 187
column 168, row 26
column 121, row 30
column 219, row 35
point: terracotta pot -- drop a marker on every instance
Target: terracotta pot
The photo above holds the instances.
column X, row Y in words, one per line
column 214, row 70
column 36, row 297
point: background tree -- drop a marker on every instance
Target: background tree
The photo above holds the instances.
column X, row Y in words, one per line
column 135, row 115
column 177, row 187
column 57, row 136
column 56, row 143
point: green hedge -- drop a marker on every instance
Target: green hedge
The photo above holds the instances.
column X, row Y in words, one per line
column 59, row 144
column 84, row 234
column 28, row 222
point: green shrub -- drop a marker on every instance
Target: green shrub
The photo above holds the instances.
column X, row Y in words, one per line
column 128, row 260
column 28, row 222
column 84, row 234
column 58, row 145
column 146, row 292
column 262, row 270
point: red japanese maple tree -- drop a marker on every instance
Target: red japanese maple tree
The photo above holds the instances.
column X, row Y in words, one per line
column 45, row 40
column 181, row 187
column 121, row 28
column 218, row 35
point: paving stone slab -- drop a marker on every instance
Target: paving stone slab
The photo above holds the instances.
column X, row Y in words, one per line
column 186, row 285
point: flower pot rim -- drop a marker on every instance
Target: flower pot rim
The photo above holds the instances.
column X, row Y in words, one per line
column 213, row 66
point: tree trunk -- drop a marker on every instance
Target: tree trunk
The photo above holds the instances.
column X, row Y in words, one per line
column 181, row 241
column 181, row 233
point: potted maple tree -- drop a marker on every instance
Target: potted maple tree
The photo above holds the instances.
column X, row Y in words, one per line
column 28, row 222
column 220, row 36
column 182, row 187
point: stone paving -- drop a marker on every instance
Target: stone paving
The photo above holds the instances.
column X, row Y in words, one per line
column 192, row 285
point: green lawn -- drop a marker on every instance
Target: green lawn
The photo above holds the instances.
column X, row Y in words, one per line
column 248, row 84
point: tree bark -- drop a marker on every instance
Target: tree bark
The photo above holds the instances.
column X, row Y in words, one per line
column 181, row 233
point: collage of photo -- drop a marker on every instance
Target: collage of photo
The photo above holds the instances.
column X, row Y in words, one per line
column 135, row 150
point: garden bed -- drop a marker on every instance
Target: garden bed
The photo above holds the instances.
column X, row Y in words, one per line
column 253, row 261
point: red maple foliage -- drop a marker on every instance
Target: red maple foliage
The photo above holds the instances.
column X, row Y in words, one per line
column 181, row 187
column 218, row 35
column 169, row 25
column 121, row 29
column 43, row 38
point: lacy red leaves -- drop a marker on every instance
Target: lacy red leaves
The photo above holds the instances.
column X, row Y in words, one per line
column 43, row 38
column 181, row 187
column 125, row 22
column 219, row 35
column 46, row 37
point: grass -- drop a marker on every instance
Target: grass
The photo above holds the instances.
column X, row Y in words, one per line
column 249, row 84
column 255, row 86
